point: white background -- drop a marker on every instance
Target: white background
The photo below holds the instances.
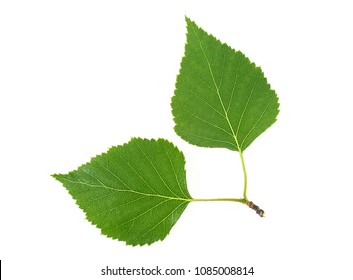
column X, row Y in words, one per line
column 77, row 77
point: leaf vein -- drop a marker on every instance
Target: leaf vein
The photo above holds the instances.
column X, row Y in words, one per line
column 203, row 120
column 136, row 172
column 175, row 174
column 171, row 213
column 209, row 105
column 208, row 138
column 120, row 205
column 261, row 116
column 234, row 84
column 138, row 216
column 157, row 172
column 246, row 105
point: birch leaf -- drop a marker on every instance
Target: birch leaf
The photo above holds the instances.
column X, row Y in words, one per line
column 135, row 192
column 221, row 98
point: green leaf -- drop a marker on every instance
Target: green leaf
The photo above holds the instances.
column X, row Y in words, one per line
column 221, row 98
column 135, row 192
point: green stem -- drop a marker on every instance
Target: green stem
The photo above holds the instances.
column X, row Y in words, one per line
column 245, row 176
column 241, row 200
column 253, row 206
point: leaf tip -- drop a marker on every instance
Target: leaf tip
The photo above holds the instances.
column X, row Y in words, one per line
column 56, row 176
column 190, row 23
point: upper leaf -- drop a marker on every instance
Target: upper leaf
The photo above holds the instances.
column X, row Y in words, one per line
column 135, row 192
column 221, row 98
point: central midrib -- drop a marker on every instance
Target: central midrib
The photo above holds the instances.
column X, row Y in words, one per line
column 131, row 191
column 220, row 100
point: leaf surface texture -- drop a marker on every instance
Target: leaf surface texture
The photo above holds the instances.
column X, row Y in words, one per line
column 221, row 98
column 135, row 192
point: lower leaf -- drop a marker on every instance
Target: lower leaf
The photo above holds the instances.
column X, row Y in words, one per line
column 135, row 192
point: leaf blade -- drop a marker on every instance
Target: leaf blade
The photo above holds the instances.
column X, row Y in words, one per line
column 133, row 192
column 221, row 98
